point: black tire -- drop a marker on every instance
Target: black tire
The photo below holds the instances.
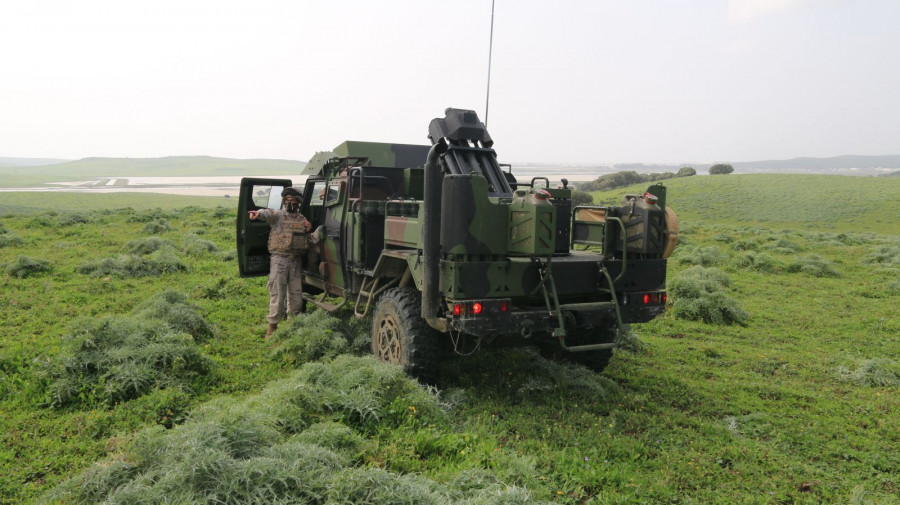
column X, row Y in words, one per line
column 401, row 336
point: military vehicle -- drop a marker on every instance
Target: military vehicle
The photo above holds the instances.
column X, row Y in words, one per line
column 450, row 253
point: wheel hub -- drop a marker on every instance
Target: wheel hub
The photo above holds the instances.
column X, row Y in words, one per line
column 387, row 340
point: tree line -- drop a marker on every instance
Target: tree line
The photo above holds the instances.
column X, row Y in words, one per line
column 627, row 178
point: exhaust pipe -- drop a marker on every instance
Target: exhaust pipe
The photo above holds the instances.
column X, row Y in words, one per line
column 431, row 231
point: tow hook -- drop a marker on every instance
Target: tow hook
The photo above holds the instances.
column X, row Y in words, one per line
column 527, row 328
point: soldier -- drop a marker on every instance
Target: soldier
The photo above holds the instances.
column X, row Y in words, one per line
column 288, row 242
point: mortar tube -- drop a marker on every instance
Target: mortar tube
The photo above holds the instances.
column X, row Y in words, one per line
column 431, row 231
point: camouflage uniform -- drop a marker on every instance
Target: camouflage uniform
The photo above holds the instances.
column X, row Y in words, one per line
column 288, row 243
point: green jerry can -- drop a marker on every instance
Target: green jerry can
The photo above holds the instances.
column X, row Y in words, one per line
column 532, row 223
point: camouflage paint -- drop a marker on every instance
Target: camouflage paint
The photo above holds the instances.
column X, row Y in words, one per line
column 589, row 226
column 403, row 231
column 532, row 224
column 518, row 277
column 476, row 225
column 385, row 155
column 330, row 267
column 492, row 246
column 316, row 164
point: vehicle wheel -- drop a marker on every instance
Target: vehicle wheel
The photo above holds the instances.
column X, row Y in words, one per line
column 402, row 337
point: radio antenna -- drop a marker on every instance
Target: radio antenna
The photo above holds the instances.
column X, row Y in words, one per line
column 487, row 102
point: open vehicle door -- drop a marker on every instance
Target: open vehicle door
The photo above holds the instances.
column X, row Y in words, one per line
column 253, row 236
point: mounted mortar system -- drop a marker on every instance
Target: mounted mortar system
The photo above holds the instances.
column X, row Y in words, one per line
column 451, row 254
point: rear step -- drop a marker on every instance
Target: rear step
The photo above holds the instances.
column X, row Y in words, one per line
column 321, row 303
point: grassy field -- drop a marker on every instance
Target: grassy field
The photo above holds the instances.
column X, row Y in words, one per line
column 30, row 202
column 796, row 405
column 172, row 166
column 830, row 203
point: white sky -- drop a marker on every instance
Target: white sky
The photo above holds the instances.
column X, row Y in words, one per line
column 572, row 81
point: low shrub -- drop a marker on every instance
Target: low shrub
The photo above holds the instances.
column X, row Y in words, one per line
column 713, row 308
column 883, row 255
column 698, row 294
column 336, row 437
column 115, row 359
column 701, row 255
column 814, row 265
column 760, row 262
column 894, row 286
column 230, row 255
column 43, row 221
column 163, row 260
column 872, row 372
column 745, row 245
column 157, row 226
column 223, row 288
column 72, row 219
column 220, row 212
column 195, row 246
column 309, row 337
column 783, row 246
column 23, row 266
column 697, row 281
column 259, row 450
column 148, row 245
column 10, row 239
column 173, row 308
column 149, row 216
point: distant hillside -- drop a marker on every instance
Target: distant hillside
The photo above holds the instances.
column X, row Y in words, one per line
column 811, row 164
column 29, row 162
column 848, row 161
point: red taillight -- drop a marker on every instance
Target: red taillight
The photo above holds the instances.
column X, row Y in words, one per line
column 646, row 298
column 477, row 308
column 665, row 297
column 456, row 309
column 504, row 306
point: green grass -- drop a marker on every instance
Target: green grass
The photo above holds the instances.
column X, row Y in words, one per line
column 798, row 405
column 829, row 203
column 17, row 203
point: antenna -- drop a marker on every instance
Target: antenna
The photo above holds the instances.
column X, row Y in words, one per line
column 487, row 102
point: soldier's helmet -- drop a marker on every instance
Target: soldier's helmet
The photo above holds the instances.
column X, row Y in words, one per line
column 289, row 192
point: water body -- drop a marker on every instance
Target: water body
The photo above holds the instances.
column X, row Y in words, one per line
column 228, row 186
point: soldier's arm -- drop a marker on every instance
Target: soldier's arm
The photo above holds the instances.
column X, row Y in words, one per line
column 268, row 215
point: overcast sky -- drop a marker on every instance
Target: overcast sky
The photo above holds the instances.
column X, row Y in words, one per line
column 572, row 81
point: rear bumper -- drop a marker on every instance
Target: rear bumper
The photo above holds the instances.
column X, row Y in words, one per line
column 494, row 320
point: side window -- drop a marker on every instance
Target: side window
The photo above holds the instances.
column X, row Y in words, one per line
column 268, row 197
column 334, row 193
column 317, row 199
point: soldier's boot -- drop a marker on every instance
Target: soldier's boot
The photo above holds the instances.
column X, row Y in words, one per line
column 271, row 330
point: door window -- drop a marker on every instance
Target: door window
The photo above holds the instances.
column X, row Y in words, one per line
column 268, row 197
